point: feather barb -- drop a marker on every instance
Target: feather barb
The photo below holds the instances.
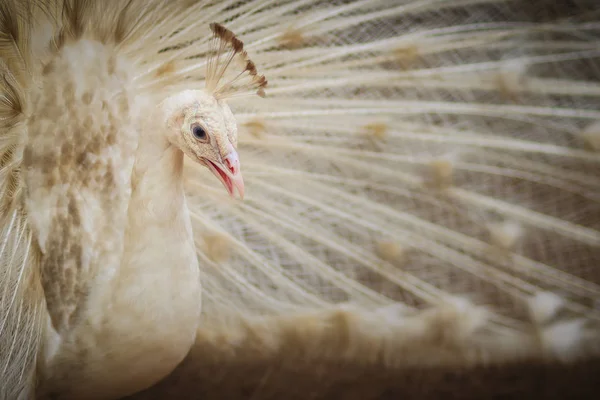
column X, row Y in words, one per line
column 226, row 48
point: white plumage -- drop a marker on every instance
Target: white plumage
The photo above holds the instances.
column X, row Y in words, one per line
column 409, row 155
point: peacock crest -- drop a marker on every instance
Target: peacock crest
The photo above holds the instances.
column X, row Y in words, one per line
column 221, row 80
column 410, row 155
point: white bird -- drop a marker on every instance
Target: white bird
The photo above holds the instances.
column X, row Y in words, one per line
column 103, row 191
column 104, row 195
column 408, row 152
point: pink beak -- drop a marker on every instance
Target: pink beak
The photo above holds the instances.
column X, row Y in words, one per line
column 229, row 173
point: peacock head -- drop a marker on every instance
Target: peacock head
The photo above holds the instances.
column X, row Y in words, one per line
column 204, row 128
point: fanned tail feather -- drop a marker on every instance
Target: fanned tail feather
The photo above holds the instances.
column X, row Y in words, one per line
column 407, row 152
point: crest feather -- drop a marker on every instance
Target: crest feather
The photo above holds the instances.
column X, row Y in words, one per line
column 225, row 47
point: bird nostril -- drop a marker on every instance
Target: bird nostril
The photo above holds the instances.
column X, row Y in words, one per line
column 232, row 162
column 231, row 165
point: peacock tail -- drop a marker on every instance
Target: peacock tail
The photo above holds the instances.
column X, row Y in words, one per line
column 408, row 152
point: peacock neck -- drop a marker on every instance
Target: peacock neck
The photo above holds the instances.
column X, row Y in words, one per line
column 158, row 168
column 157, row 285
column 157, row 186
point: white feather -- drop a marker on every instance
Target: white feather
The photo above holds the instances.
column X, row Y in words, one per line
column 377, row 100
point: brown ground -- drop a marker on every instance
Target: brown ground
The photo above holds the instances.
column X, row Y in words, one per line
column 319, row 381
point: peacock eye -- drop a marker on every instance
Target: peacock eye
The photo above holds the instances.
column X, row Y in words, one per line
column 198, row 132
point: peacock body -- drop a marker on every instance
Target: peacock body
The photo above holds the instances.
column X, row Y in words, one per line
column 420, row 186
